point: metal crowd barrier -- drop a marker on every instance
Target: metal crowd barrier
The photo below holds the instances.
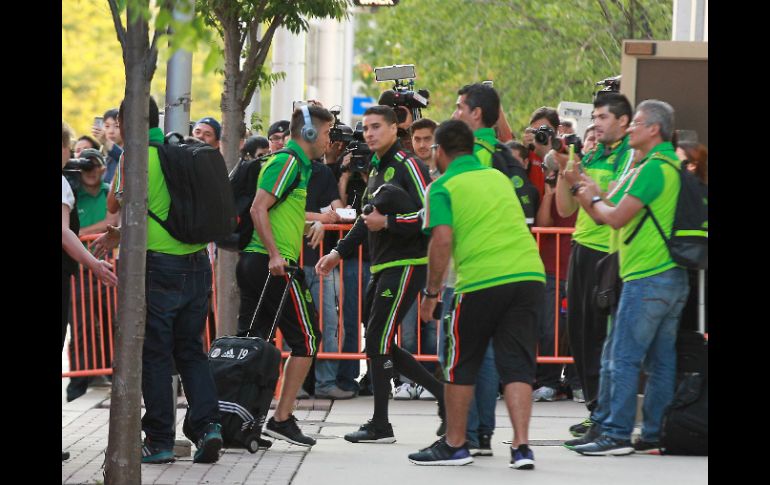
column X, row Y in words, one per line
column 94, row 307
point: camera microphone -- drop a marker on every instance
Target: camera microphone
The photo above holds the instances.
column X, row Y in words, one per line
column 388, row 98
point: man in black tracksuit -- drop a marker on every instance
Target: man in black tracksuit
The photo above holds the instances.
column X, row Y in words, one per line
column 398, row 253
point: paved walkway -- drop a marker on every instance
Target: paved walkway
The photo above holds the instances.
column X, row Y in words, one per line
column 335, row 461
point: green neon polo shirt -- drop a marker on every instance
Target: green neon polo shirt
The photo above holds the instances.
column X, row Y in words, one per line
column 656, row 184
column 92, row 208
column 492, row 245
column 159, row 201
column 486, row 135
column 603, row 169
column 287, row 218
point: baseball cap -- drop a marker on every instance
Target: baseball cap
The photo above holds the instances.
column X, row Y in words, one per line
column 281, row 126
column 212, row 123
column 93, row 154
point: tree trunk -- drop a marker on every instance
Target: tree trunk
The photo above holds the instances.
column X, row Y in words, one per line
column 233, row 128
column 123, row 460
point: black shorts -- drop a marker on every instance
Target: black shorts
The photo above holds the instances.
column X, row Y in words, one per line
column 299, row 319
column 508, row 314
column 389, row 296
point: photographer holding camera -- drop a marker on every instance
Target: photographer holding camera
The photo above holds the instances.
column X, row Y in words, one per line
column 537, row 137
column 399, row 257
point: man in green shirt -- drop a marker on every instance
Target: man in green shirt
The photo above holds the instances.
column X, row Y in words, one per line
column 478, row 106
column 278, row 212
column 590, row 242
column 654, row 291
column 178, row 284
column 473, row 215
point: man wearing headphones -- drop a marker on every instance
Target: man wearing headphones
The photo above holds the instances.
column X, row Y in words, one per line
column 278, row 212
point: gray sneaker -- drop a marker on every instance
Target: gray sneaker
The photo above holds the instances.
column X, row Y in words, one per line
column 302, row 394
column 544, row 393
column 334, row 392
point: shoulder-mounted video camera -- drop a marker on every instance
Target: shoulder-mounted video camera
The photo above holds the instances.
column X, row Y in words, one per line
column 403, row 94
column 611, row 85
column 361, row 154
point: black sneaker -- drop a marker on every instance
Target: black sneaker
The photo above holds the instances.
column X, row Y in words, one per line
column 605, row 445
column 647, row 447
column 484, row 447
column 209, row 444
column 522, row 458
column 368, row 433
column 287, row 431
column 155, row 454
column 578, row 430
column 440, row 453
column 593, row 433
column 65, row 455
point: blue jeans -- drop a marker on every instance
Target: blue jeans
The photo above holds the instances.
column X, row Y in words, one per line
column 481, row 415
column 326, row 369
column 643, row 336
column 177, row 290
column 428, row 337
column 349, row 370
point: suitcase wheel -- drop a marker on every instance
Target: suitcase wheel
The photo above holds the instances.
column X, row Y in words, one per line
column 252, row 445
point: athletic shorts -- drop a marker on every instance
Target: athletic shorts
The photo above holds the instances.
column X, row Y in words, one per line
column 508, row 314
column 389, row 296
column 299, row 320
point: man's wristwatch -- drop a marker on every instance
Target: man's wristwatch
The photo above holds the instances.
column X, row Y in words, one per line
column 426, row 294
column 595, row 199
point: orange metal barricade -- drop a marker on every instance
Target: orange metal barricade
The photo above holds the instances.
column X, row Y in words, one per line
column 94, row 317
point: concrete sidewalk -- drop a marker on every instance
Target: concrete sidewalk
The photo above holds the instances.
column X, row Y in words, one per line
column 335, row 461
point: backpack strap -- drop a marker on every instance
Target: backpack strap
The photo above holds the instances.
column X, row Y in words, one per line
column 649, row 214
column 485, row 145
column 295, row 183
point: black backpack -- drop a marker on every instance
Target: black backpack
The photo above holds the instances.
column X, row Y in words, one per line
column 201, row 207
column 503, row 160
column 688, row 244
column 243, row 182
column 684, row 429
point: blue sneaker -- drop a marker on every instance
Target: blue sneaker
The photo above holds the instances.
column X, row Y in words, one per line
column 209, row 444
column 605, row 445
column 156, row 455
column 440, row 453
column 522, row 458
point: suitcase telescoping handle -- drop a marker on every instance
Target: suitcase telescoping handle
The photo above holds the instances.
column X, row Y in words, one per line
column 292, row 272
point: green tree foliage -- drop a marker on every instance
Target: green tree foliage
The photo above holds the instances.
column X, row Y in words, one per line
column 537, row 52
column 93, row 74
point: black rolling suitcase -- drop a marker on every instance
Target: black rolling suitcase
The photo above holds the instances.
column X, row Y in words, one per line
column 246, row 371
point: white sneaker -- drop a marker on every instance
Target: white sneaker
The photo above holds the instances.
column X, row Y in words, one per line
column 405, row 392
column 577, row 395
column 424, row 394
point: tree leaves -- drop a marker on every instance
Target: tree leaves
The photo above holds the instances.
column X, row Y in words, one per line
column 538, row 53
